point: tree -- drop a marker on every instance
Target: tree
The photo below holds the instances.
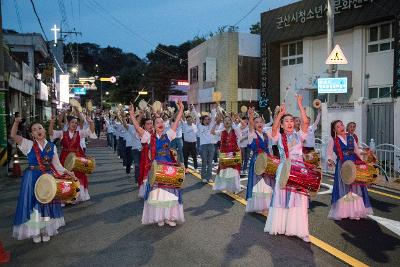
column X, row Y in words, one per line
column 255, row 28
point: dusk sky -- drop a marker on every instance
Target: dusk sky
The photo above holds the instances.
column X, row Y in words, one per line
column 156, row 21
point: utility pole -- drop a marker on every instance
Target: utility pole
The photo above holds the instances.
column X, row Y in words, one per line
column 330, row 20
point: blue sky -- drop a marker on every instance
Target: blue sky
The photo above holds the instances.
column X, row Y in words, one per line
column 156, row 21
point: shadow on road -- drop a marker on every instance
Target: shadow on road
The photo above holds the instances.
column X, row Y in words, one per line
column 213, row 203
column 279, row 250
column 367, row 235
column 383, row 206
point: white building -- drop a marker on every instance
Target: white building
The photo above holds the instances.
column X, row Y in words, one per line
column 294, row 50
column 227, row 63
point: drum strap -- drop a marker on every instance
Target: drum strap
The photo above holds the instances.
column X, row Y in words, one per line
column 285, row 145
column 259, row 149
column 42, row 166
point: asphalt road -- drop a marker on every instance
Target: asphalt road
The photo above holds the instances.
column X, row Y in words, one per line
column 106, row 231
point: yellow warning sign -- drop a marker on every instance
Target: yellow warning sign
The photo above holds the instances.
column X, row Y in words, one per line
column 336, row 56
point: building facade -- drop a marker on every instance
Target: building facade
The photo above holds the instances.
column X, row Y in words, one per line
column 227, row 63
column 294, row 50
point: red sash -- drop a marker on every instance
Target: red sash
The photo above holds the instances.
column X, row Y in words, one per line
column 285, row 145
column 42, row 167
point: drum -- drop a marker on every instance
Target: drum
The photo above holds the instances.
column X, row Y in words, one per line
column 359, row 173
column 266, row 164
column 300, row 176
column 230, row 159
column 313, row 158
column 166, row 174
column 86, row 164
column 64, row 189
column 67, row 189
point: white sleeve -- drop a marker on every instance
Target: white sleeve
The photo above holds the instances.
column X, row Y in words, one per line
column 87, row 133
column 316, row 122
column 25, row 146
column 56, row 162
column 252, row 135
column 274, row 138
column 357, row 149
column 302, row 135
column 145, row 137
column 171, row 134
column 238, row 134
column 329, row 150
column 56, row 134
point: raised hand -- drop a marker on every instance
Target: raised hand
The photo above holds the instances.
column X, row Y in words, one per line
column 251, row 112
column 18, row 119
column 299, row 99
column 180, row 105
column 132, row 110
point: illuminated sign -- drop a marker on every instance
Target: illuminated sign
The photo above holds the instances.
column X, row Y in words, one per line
column 79, row 90
column 64, row 88
column 332, row 85
column 183, row 83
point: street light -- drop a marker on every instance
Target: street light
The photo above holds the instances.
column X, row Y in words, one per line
column 107, row 93
column 74, row 70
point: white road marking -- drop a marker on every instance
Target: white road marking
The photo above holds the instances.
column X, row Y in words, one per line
column 392, row 225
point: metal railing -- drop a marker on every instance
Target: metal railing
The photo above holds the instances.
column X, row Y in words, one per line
column 388, row 158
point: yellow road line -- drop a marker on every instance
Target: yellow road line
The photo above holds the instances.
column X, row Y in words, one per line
column 383, row 194
column 379, row 192
column 315, row 241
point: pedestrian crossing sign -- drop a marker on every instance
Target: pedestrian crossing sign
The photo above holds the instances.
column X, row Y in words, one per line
column 336, row 56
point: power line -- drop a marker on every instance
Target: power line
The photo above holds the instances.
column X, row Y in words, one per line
column 40, row 23
column 248, row 13
column 129, row 30
column 44, row 34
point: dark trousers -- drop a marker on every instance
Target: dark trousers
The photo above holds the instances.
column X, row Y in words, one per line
column 115, row 142
column 216, row 151
column 245, row 157
column 123, row 152
column 189, row 149
column 136, row 161
column 128, row 159
column 97, row 129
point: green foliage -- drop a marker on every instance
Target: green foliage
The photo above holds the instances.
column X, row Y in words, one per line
column 255, row 28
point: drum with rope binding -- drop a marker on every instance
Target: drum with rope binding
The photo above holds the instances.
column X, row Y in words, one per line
column 266, row 164
column 86, row 164
column 64, row 189
column 166, row 174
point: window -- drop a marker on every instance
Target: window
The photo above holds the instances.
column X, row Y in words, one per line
column 381, row 37
column 204, row 71
column 292, row 53
column 194, row 74
column 380, row 92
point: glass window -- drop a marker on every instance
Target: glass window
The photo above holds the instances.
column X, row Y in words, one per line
column 292, row 49
column 300, row 60
column 373, row 92
column 373, row 34
column 384, row 46
column 285, row 51
column 373, row 48
column 284, row 62
column 384, row 92
column 299, row 48
column 204, row 71
column 385, row 31
column 292, row 61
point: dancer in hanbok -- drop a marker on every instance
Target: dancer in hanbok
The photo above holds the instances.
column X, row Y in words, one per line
column 348, row 201
column 288, row 213
column 32, row 218
column 228, row 177
column 259, row 187
column 71, row 143
column 162, row 204
column 145, row 162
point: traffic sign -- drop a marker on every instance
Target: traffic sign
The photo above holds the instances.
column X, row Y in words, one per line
column 113, row 79
column 336, row 56
column 79, row 90
column 332, row 85
column 90, row 79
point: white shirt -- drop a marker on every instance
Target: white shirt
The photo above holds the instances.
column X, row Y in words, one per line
column 310, row 139
column 132, row 139
column 146, row 137
column 217, row 137
column 26, row 147
column 295, row 145
column 330, row 154
column 110, row 128
column 189, row 132
column 179, row 131
column 244, row 139
column 82, row 134
column 237, row 133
